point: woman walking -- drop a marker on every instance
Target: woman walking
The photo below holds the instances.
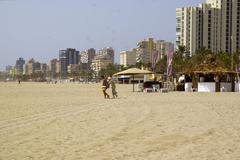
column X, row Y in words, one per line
column 113, row 87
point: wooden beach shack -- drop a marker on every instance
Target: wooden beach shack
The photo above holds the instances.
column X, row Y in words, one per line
column 211, row 78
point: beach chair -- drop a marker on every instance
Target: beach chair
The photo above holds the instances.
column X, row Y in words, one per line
column 156, row 87
column 164, row 90
column 140, row 87
column 223, row 89
column 148, row 90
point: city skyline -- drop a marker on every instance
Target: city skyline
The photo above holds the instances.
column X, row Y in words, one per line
column 40, row 29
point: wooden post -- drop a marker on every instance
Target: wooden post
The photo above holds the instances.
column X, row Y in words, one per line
column 133, row 82
column 233, row 82
column 194, row 80
column 217, row 81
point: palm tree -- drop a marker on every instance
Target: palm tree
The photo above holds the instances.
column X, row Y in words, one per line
column 179, row 59
column 140, row 64
column 236, row 60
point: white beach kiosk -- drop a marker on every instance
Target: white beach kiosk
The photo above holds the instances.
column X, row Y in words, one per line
column 212, row 81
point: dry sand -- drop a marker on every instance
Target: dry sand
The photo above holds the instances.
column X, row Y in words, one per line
column 74, row 122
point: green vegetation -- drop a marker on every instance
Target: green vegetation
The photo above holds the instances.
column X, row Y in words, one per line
column 202, row 60
column 109, row 71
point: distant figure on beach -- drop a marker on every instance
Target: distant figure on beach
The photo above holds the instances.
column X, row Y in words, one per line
column 105, row 86
column 19, row 81
column 113, row 87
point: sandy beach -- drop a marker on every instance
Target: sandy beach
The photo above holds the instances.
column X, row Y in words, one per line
column 74, row 122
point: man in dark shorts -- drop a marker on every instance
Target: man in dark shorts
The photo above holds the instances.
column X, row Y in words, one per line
column 105, row 86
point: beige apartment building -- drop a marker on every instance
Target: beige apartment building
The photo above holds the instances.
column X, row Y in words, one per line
column 128, row 58
column 30, row 67
column 145, row 50
column 54, row 66
column 214, row 25
column 101, row 62
column 188, row 31
column 163, row 48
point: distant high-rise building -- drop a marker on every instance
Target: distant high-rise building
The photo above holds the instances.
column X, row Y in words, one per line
column 44, row 68
column 87, row 57
column 67, row 57
column 145, row 50
column 107, row 51
column 163, row 48
column 91, row 54
column 37, row 67
column 63, row 59
column 101, row 62
column 73, row 68
column 54, row 68
column 19, row 66
column 128, row 58
column 83, row 57
column 30, row 67
column 58, row 67
column 211, row 28
column 213, row 25
column 189, row 28
column 8, row 69
column 235, row 25
column 73, row 56
column 24, row 69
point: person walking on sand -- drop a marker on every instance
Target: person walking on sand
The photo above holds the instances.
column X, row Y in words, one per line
column 105, row 86
column 113, row 87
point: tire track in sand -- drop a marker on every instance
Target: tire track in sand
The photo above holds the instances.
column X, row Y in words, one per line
column 11, row 124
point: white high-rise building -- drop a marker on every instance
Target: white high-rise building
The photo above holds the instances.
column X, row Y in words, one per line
column 215, row 3
column 211, row 30
column 188, row 31
column 213, row 25
column 235, row 44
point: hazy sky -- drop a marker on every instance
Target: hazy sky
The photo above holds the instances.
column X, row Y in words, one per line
column 39, row 28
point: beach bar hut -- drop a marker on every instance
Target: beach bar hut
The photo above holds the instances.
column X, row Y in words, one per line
column 133, row 72
column 210, row 74
column 211, row 81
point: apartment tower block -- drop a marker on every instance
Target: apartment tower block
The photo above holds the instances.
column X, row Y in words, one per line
column 213, row 25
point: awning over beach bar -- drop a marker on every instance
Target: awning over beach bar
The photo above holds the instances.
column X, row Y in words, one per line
column 133, row 71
